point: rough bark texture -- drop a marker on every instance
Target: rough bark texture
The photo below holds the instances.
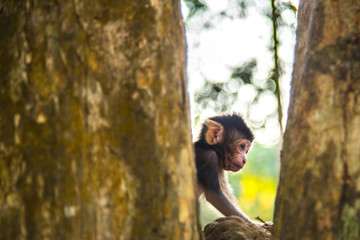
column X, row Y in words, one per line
column 319, row 190
column 94, row 127
column 235, row 228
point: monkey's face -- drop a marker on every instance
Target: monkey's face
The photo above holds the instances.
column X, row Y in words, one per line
column 238, row 159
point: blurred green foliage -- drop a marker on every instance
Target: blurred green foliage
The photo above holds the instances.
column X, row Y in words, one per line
column 236, row 9
column 194, row 7
column 222, row 95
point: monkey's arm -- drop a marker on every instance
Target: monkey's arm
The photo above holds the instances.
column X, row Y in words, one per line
column 211, row 180
column 223, row 204
column 226, row 188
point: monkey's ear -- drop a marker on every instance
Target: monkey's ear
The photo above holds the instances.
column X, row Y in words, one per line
column 215, row 132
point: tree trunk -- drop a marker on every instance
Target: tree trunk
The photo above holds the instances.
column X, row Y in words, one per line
column 95, row 138
column 318, row 195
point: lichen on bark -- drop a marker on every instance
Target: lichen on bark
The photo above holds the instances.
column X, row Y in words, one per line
column 95, row 132
column 318, row 180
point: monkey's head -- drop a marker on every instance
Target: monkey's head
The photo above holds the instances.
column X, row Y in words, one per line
column 230, row 137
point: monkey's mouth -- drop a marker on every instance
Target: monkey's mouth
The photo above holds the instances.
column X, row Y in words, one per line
column 235, row 167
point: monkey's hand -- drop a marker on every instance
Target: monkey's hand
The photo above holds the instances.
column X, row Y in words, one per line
column 267, row 225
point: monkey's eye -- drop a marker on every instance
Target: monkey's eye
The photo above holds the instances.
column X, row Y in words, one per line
column 242, row 146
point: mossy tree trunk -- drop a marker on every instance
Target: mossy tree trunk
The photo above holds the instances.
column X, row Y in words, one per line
column 319, row 190
column 95, row 138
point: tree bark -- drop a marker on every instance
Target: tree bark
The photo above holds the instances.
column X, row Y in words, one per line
column 235, row 228
column 95, row 139
column 318, row 195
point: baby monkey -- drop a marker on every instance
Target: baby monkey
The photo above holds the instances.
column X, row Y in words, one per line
column 222, row 146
